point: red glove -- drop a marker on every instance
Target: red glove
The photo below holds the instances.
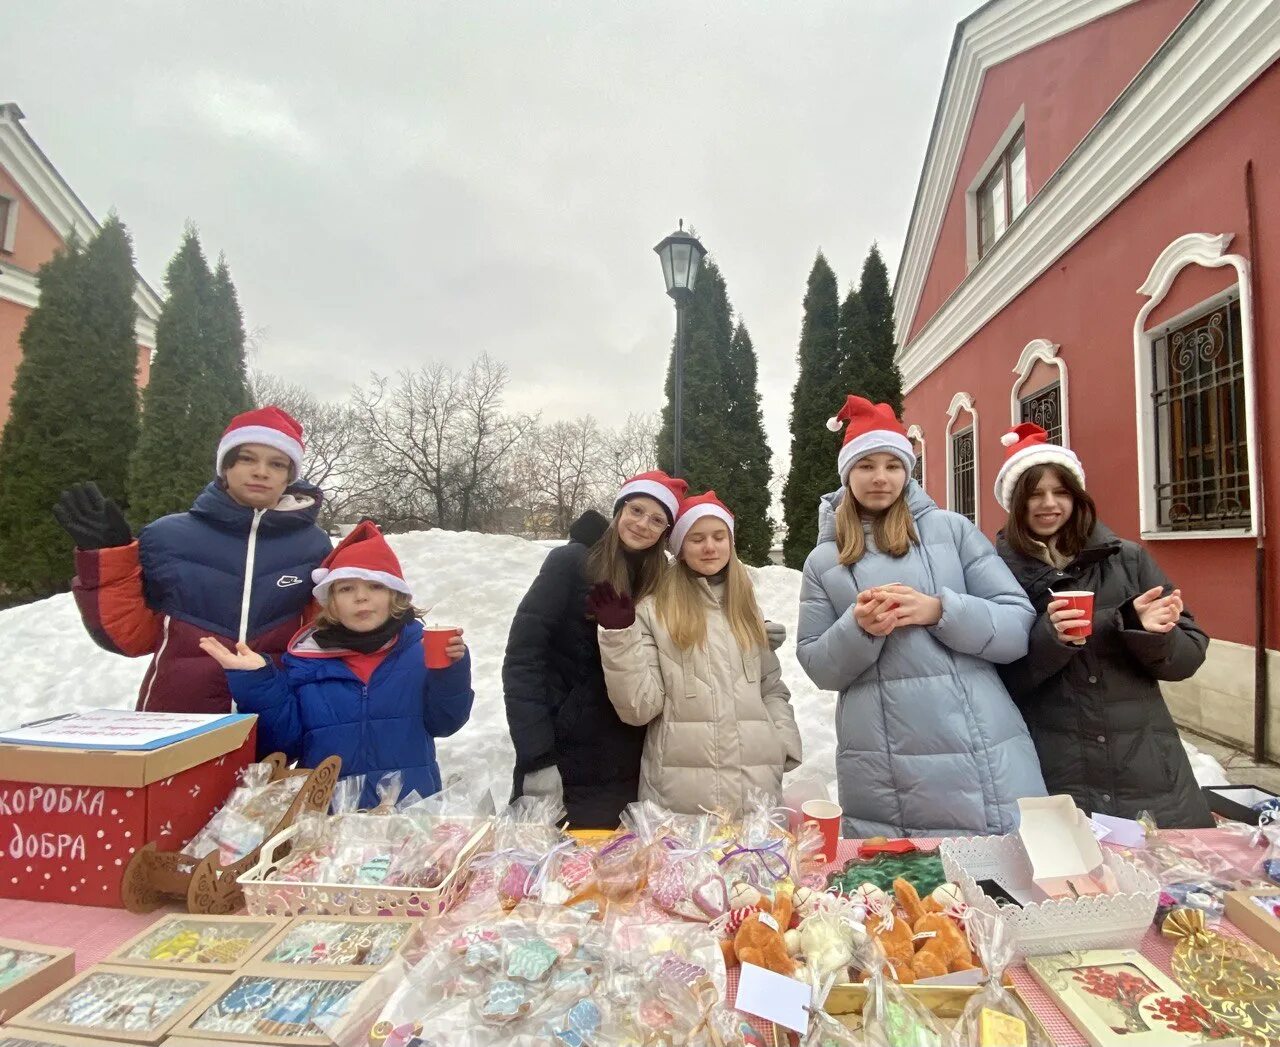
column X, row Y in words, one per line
column 609, row 608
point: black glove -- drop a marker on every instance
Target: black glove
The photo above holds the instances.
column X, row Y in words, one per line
column 92, row 521
column 610, row 609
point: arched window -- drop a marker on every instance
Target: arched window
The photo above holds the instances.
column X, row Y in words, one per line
column 962, row 457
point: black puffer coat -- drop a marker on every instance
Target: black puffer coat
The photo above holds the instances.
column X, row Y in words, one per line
column 1100, row 724
column 558, row 709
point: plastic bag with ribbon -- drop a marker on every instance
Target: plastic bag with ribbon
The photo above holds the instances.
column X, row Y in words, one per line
column 762, row 852
column 824, row 1030
column 686, row 879
column 524, row 834
column 624, row 862
column 253, row 809
column 994, row 1014
column 891, row 1017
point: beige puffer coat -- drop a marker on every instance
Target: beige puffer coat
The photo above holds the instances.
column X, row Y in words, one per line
column 720, row 719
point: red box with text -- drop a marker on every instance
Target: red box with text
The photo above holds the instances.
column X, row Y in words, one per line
column 70, row 819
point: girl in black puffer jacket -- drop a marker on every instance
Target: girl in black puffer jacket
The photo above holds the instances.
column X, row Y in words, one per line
column 1093, row 704
column 568, row 739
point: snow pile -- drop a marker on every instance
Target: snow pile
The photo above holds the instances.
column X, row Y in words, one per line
column 466, row 579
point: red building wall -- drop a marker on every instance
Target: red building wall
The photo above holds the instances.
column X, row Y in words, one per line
column 1065, row 84
column 1088, row 302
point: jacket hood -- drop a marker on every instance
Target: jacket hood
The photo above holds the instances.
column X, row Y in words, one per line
column 298, row 508
column 588, row 528
column 917, row 501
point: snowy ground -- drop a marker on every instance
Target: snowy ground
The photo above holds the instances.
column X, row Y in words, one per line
column 471, row 580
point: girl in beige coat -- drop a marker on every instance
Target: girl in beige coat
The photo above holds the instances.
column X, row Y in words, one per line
column 692, row 662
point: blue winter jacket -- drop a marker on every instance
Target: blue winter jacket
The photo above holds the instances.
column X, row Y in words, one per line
column 928, row 741
column 317, row 707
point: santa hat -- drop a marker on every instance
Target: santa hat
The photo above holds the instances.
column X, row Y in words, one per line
column 265, row 425
column 668, row 490
column 364, row 553
column 869, row 428
column 1027, row 445
column 694, row 509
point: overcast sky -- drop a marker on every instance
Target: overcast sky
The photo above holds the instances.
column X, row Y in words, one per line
column 395, row 183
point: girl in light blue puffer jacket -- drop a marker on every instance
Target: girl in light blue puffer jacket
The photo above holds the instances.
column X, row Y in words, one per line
column 905, row 609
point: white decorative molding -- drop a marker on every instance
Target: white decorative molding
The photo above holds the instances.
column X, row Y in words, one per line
column 1208, row 251
column 1220, row 48
column 963, row 402
column 914, row 432
column 19, row 286
column 1040, row 350
column 993, row 34
column 49, row 194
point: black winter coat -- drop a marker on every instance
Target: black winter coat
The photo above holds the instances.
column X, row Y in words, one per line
column 1096, row 714
column 558, row 709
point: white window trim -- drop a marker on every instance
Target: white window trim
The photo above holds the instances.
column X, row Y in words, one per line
column 914, row 432
column 964, row 402
column 1040, row 350
column 1207, row 251
column 984, row 172
column 9, row 234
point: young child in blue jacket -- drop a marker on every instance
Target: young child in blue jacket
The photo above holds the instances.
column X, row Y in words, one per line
column 355, row 682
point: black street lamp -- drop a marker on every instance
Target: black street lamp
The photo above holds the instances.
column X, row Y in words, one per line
column 681, row 254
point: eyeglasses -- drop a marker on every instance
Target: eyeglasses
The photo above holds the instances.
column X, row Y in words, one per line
column 654, row 521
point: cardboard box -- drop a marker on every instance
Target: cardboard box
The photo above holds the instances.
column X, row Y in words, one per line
column 126, row 985
column 70, row 818
column 388, row 938
column 1259, row 922
column 10, row 1037
column 1236, row 801
column 249, row 934
column 1066, row 861
column 59, row 966
column 267, row 1024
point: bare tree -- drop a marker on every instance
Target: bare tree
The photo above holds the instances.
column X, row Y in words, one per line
column 332, row 443
column 437, row 444
column 630, row 449
column 563, row 469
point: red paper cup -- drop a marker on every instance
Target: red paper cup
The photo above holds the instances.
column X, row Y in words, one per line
column 1079, row 601
column 826, row 816
column 437, row 639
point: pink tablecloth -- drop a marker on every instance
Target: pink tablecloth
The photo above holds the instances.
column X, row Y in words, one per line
column 94, row 933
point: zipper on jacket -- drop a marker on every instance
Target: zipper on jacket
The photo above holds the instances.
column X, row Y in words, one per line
column 155, row 666
column 364, row 723
column 247, row 591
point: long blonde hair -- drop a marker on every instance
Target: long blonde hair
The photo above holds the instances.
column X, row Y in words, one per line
column 893, row 530
column 682, row 606
column 608, row 561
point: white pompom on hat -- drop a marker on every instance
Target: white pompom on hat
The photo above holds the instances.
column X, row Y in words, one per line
column 1028, row 445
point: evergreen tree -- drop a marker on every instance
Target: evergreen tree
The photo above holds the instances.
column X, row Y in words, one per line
column 853, row 350
column 74, row 411
column 746, row 489
column 708, row 331
column 183, row 412
column 229, row 377
column 882, row 382
column 816, row 397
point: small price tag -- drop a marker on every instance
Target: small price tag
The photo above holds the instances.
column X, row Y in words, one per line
column 768, row 920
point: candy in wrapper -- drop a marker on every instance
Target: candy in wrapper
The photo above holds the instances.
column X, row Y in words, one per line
column 994, row 1017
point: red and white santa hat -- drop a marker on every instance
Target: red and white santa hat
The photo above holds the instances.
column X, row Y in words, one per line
column 1026, row 445
column 668, row 490
column 694, row 509
column 869, row 428
column 364, row 553
column 264, row 425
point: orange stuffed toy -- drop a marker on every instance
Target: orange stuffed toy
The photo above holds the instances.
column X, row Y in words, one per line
column 894, row 935
column 760, row 942
column 946, row 951
column 910, row 902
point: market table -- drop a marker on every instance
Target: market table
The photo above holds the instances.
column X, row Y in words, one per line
column 94, row 932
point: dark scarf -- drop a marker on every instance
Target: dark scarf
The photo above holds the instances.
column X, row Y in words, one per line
column 339, row 637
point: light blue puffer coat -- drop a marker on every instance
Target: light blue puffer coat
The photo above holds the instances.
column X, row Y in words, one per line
column 929, row 742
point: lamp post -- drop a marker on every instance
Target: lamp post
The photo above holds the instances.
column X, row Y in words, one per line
column 681, row 254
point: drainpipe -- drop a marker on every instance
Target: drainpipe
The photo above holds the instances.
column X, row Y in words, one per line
column 1261, row 687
